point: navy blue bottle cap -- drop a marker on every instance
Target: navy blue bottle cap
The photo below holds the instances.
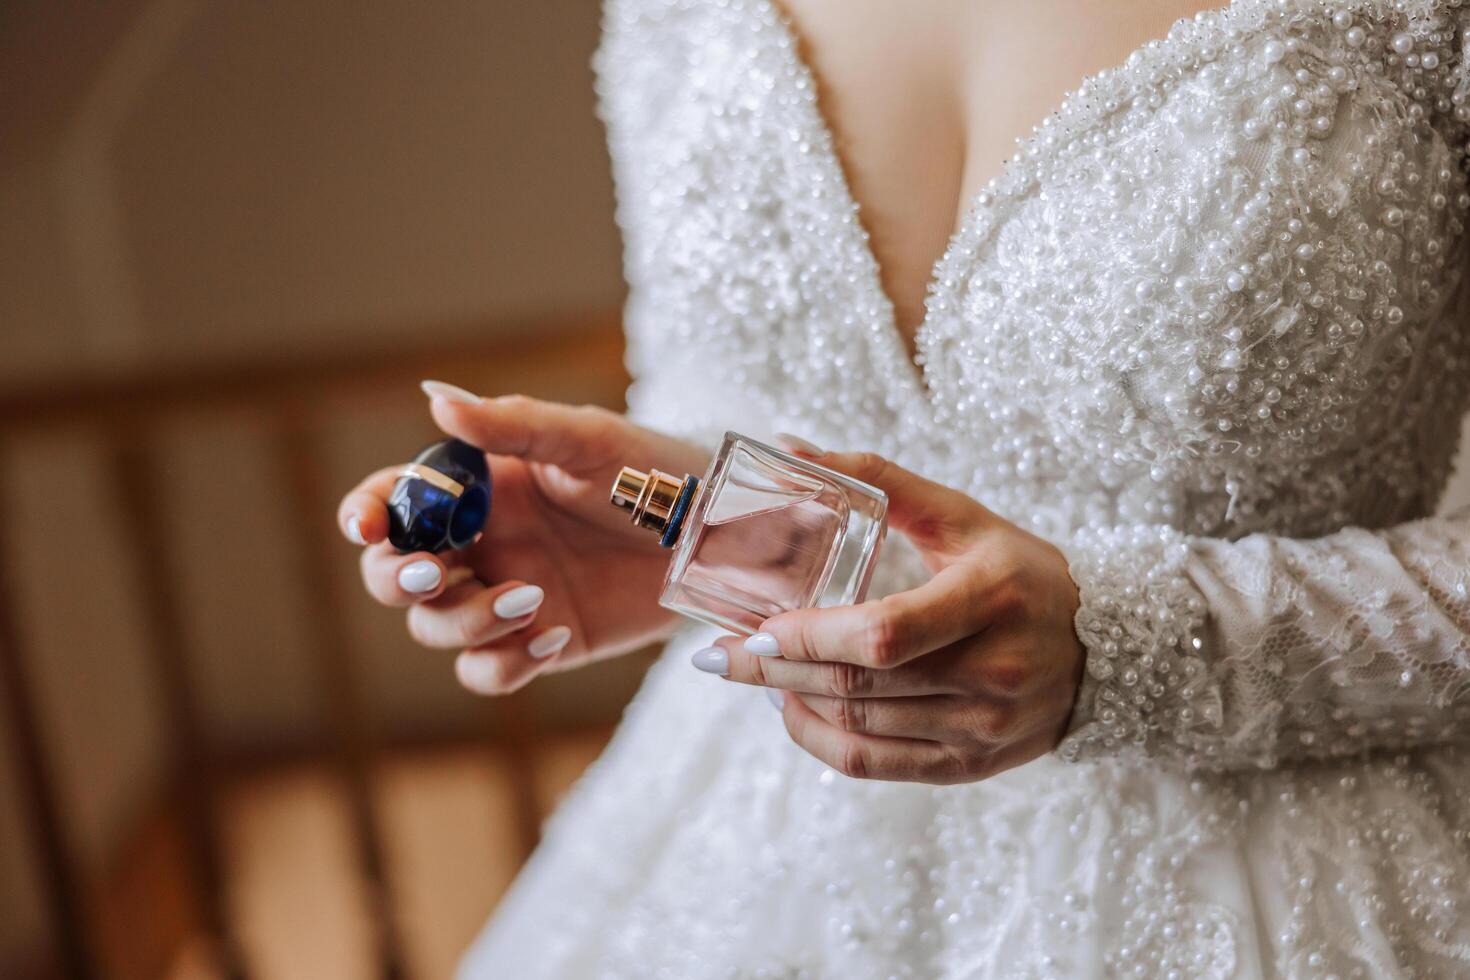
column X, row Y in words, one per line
column 441, row 500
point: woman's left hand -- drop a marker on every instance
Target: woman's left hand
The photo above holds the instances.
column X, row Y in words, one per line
column 972, row 673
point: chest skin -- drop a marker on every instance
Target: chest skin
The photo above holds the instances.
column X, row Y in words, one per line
column 926, row 101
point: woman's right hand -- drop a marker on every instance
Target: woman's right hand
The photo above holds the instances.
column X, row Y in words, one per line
column 559, row 577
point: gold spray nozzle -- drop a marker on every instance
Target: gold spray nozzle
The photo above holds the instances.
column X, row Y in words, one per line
column 650, row 496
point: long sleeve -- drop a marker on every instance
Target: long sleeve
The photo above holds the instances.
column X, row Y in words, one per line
column 1258, row 652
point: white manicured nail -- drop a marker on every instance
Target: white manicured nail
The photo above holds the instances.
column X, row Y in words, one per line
column 777, row 697
column 549, row 642
column 452, row 392
column 518, row 602
column 797, row 444
column 354, row 531
column 478, row 672
column 762, row 645
column 711, row 660
column 419, row 576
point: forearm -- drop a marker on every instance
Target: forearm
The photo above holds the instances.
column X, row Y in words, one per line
column 1219, row 654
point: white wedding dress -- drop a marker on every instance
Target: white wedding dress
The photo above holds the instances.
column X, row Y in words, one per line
column 1206, row 334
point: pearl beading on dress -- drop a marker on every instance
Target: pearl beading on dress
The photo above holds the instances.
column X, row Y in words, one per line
column 1324, row 299
column 1207, row 332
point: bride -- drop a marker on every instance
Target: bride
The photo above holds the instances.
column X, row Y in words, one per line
column 1166, row 669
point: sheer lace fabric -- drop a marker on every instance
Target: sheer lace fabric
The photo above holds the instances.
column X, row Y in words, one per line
column 1267, row 649
column 1206, row 332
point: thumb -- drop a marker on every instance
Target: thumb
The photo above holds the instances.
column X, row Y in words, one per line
column 575, row 438
column 930, row 514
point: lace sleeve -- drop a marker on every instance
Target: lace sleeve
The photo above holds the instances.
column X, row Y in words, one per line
column 1266, row 650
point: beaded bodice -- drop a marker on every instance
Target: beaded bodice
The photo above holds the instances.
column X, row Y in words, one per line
column 1211, row 291
column 1205, row 332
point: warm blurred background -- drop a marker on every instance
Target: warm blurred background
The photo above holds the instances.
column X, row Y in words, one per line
column 233, row 236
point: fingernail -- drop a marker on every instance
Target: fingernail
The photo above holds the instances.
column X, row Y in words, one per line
column 797, row 444
column 420, row 576
column 479, row 673
column 518, row 602
column 762, row 645
column 776, row 697
column 711, row 660
column 452, row 392
column 549, row 642
column 354, row 531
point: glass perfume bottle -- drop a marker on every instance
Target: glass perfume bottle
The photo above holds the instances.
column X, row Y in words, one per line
column 762, row 533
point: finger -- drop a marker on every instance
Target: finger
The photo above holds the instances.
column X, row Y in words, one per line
column 362, row 516
column 930, row 513
column 469, row 614
column 541, row 431
column 511, row 663
column 883, row 633
column 401, row 580
column 872, row 756
column 953, row 720
column 832, row 678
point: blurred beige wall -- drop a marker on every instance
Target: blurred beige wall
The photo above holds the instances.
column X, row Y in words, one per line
column 211, row 179
column 204, row 183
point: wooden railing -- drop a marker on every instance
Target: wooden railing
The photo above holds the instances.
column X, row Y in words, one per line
column 582, row 354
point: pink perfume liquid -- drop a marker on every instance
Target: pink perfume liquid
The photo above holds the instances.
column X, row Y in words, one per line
column 763, row 563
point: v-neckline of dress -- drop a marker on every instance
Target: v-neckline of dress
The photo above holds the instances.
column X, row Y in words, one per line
column 1096, row 97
